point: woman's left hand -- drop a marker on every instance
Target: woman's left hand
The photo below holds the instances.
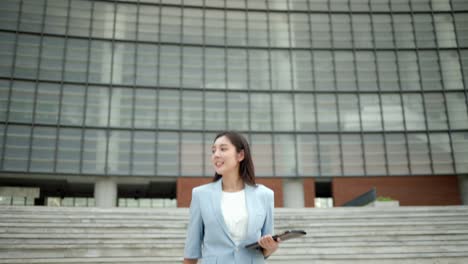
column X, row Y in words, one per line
column 268, row 244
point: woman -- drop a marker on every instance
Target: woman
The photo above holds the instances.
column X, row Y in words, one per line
column 232, row 211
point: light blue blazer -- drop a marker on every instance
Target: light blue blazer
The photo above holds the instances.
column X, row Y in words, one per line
column 208, row 237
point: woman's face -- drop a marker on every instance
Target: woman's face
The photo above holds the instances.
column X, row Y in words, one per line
column 224, row 156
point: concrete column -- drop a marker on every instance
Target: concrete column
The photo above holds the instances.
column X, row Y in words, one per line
column 463, row 184
column 293, row 193
column 105, row 193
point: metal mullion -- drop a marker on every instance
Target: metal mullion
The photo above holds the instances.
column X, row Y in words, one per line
column 465, row 82
column 85, row 102
column 337, row 105
column 226, row 72
column 36, row 88
column 111, row 92
column 10, row 86
column 204, row 159
column 59, row 119
column 158, row 73
column 358, row 95
column 270, row 93
column 135, row 69
column 247, row 48
column 379, row 92
column 181, row 90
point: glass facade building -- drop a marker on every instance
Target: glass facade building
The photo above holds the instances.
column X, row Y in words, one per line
column 321, row 88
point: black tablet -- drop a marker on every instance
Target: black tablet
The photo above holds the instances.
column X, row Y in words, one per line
column 286, row 235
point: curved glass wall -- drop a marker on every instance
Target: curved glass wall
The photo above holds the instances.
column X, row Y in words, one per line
column 322, row 88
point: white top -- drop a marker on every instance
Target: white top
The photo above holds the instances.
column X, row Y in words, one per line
column 235, row 214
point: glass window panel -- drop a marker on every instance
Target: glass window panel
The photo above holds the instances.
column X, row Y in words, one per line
column 362, row 31
column 464, row 63
column 300, row 31
column 148, row 23
column 147, row 65
column 7, row 48
column 451, row 70
column 236, row 69
column 457, row 110
column 214, row 27
column 353, row 163
column 125, row 22
column 304, row 106
column 421, row 5
column 215, row 68
column 278, row 26
column 97, row 106
column 349, row 112
column 76, row 60
column 359, row 5
column 441, row 152
column 460, row 149
column 215, row 110
column 380, row 5
column 47, row 103
column 192, row 110
column 435, row 111
column 392, row 112
column 17, row 143
column 22, row 102
column 79, row 18
column 327, row 112
column 414, row 112
column 118, row 156
column 323, row 71
column 69, row 150
column 424, row 30
column 382, row 30
column 330, row 160
column 144, row 153
column 123, row 71
column 341, row 25
column 285, row 155
column 430, row 71
column 56, row 17
column 403, row 30
column 72, row 105
column 208, row 139
column 32, row 15
column 400, row 5
column 370, row 112
column 321, row 30
column 445, row 31
column 366, row 71
column 238, row 111
column 262, row 154
column 168, row 154
column 236, row 28
column 100, row 62
column 27, row 56
column 144, row 115
column 192, row 67
column 43, row 149
column 171, row 29
column 94, row 151
column 307, row 152
column 321, row 5
column 345, row 75
column 339, row 5
column 52, row 54
column 260, row 111
column 459, row 5
column 461, row 22
column 419, row 153
column 441, row 5
column 387, row 68
column 121, row 110
column 302, row 70
column 9, row 11
column 4, row 98
column 397, row 155
column 280, row 70
column 192, row 154
column 170, row 66
column 283, row 112
column 169, row 109
column 103, row 20
column 257, row 29
column 192, row 25
column 408, row 70
column 374, row 152
column 259, row 70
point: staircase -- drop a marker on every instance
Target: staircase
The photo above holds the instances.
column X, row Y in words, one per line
column 136, row 236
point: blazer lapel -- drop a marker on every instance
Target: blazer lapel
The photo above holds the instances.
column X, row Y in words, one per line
column 216, row 202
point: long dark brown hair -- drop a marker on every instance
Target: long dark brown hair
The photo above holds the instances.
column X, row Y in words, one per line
column 246, row 166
